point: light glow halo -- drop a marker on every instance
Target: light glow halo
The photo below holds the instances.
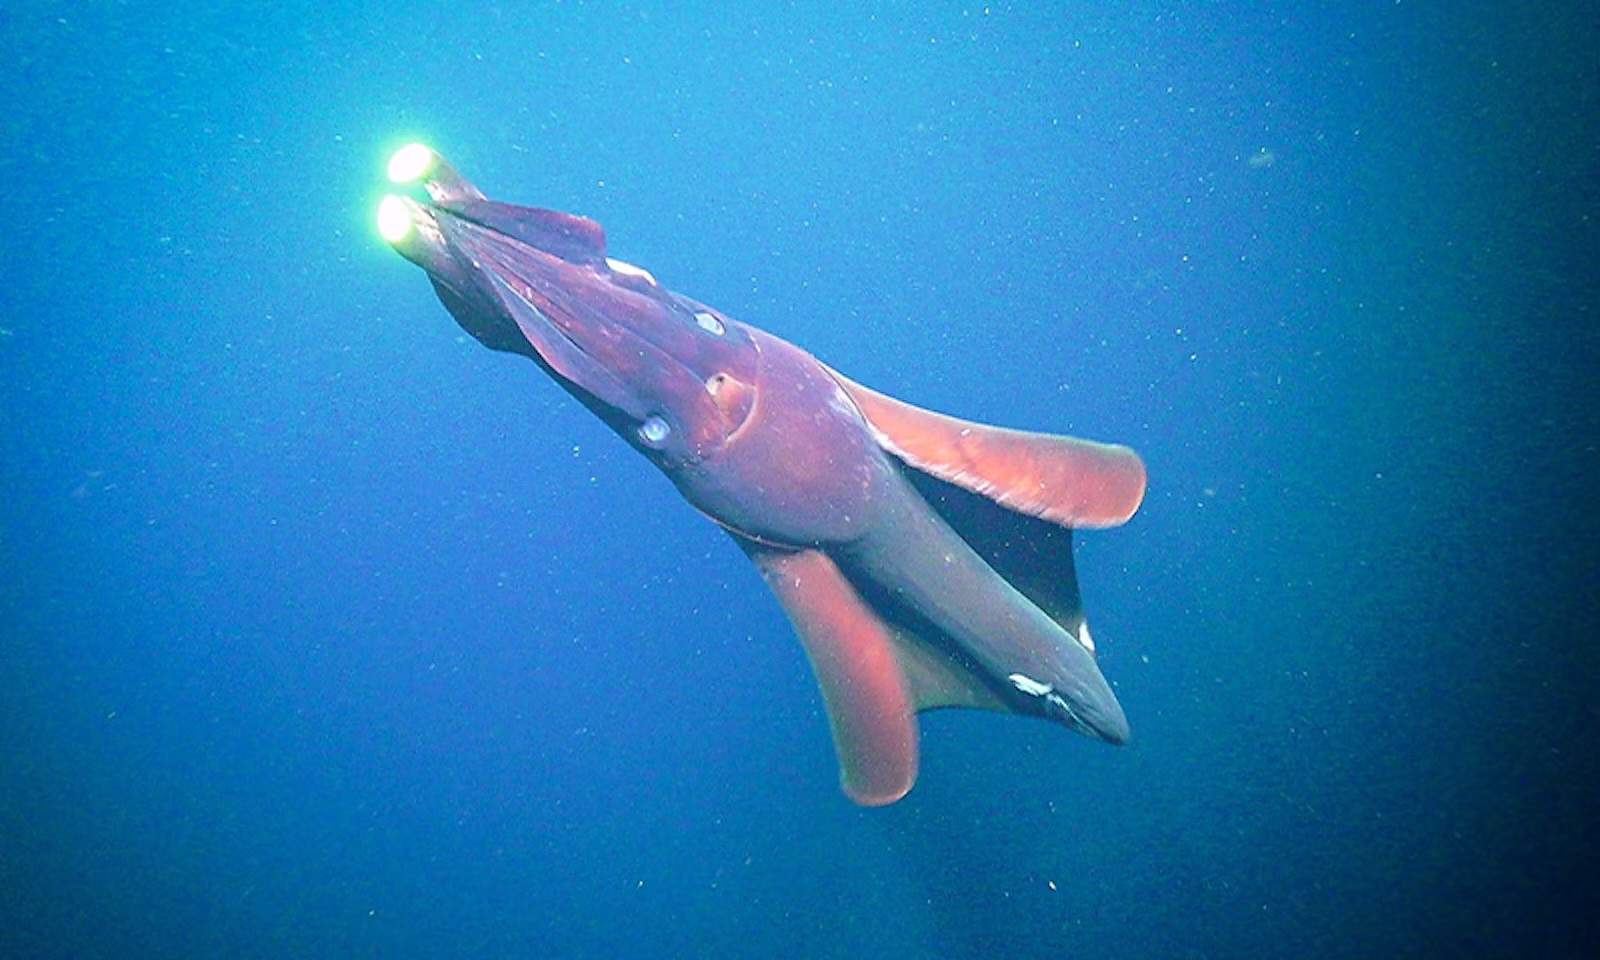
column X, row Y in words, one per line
column 410, row 163
column 394, row 218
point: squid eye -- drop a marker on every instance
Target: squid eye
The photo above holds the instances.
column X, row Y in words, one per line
column 654, row 432
column 709, row 322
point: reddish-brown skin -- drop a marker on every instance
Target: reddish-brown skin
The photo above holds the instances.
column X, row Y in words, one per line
column 808, row 472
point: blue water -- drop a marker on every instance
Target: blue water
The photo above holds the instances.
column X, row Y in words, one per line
column 325, row 631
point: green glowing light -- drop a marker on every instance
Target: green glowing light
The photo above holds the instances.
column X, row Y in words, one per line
column 394, row 219
column 410, row 163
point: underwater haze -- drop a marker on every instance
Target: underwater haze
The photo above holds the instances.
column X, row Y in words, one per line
column 327, row 632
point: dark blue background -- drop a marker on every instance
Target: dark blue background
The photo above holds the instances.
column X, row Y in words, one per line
column 326, row 632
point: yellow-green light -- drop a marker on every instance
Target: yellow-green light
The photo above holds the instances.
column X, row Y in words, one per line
column 410, row 163
column 394, row 219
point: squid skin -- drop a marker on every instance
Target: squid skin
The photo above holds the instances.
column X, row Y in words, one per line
column 924, row 561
